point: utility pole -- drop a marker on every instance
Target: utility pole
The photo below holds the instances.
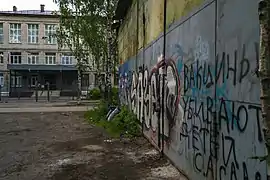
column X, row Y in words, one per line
column 264, row 66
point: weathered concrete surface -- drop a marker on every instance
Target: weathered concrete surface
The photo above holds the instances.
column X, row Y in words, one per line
column 201, row 102
column 11, row 103
column 61, row 146
column 45, row 109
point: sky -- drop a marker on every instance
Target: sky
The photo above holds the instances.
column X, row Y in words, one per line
column 6, row 5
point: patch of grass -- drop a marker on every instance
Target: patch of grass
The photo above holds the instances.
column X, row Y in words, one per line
column 114, row 96
column 97, row 114
column 94, row 94
column 124, row 124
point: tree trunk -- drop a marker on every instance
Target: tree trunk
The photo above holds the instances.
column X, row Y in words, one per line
column 109, row 53
column 264, row 67
column 79, row 87
column 99, row 69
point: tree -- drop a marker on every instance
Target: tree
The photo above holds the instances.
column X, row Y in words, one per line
column 111, row 37
column 81, row 29
column 264, row 66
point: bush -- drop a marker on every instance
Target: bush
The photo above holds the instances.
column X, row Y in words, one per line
column 97, row 114
column 94, row 94
column 124, row 124
column 115, row 96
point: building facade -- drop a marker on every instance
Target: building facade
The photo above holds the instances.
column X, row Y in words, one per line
column 29, row 54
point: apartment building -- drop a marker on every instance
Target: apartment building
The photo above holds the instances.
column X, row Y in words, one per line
column 29, row 53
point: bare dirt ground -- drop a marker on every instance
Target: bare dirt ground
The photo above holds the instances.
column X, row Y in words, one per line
column 62, row 146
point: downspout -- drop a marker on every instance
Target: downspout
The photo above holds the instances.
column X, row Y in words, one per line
column 143, row 45
column 137, row 40
column 164, row 75
column 137, row 49
column 215, row 131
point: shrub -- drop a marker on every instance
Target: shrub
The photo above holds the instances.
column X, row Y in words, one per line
column 124, row 124
column 94, row 94
column 97, row 114
column 115, row 96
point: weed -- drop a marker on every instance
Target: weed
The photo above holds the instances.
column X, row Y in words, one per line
column 124, row 124
column 94, row 94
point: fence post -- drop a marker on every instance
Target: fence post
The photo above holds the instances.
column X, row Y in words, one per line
column 0, row 92
column 19, row 94
column 36, row 91
column 48, row 91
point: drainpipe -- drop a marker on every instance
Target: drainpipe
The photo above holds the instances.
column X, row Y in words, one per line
column 164, row 75
column 137, row 49
column 137, row 40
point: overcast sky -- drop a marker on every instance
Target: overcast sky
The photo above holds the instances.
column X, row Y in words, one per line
column 6, row 5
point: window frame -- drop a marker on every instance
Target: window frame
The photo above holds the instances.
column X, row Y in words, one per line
column 19, row 79
column 30, row 58
column 19, row 56
column 67, row 58
column 2, row 80
column 48, row 33
column 34, row 33
column 18, row 29
column 50, row 57
column 2, row 57
column 33, row 83
column 1, row 33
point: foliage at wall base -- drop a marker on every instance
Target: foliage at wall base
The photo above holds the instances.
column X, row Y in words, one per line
column 94, row 94
column 124, row 124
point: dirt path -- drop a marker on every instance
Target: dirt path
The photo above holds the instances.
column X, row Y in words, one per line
column 61, row 146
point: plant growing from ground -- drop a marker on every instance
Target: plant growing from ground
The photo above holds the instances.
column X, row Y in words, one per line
column 94, row 94
column 115, row 96
column 124, row 124
column 94, row 116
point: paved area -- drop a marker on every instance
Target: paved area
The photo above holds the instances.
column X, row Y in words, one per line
column 45, row 103
column 62, row 146
column 45, row 109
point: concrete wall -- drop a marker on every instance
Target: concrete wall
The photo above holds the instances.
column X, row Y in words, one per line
column 131, row 34
column 200, row 104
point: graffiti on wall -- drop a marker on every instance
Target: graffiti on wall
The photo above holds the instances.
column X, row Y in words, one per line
column 186, row 100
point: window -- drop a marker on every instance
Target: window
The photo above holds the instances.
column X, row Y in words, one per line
column 1, row 58
column 16, row 80
column 33, row 58
column 50, row 32
column 1, row 33
column 16, row 58
column 50, row 58
column 33, row 30
column 33, row 81
column 85, row 80
column 67, row 59
column 15, row 33
column 2, row 81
